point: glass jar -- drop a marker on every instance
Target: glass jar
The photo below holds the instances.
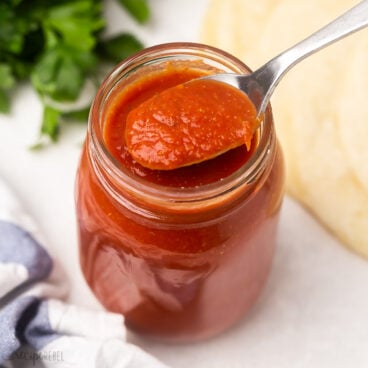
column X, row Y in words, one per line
column 180, row 264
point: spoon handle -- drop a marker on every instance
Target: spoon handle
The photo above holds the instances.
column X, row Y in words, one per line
column 271, row 73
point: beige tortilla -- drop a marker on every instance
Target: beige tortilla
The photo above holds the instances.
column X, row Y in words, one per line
column 320, row 107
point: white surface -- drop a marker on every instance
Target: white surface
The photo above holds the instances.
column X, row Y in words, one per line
column 313, row 312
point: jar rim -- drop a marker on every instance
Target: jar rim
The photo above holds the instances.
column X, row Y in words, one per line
column 246, row 174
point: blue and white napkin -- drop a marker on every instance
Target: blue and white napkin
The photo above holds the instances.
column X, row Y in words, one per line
column 35, row 324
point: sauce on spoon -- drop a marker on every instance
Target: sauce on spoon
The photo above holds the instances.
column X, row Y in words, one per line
column 189, row 123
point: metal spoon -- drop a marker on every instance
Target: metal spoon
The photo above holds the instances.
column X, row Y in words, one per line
column 260, row 84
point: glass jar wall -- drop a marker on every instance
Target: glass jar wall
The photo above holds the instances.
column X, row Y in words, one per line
column 181, row 262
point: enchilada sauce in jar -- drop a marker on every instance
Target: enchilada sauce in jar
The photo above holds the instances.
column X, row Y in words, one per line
column 182, row 253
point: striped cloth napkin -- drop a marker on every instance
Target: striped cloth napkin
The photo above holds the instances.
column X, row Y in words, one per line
column 35, row 325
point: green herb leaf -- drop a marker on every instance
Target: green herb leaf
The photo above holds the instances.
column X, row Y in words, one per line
column 76, row 22
column 7, row 79
column 51, row 122
column 61, row 72
column 4, row 102
column 12, row 30
column 118, row 48
column 138, row 9
column 57, row 44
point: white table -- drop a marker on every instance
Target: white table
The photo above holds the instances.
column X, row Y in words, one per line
column 313, row 312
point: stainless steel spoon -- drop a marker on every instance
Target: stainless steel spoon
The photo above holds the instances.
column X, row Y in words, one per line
column 260, row 84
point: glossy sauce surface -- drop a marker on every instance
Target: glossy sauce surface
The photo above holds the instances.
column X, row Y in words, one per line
column 189, row 123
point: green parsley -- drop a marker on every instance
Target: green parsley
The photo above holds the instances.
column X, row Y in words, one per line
column 57, row 45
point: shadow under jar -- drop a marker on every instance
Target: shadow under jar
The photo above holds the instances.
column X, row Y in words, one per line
column 182, row 254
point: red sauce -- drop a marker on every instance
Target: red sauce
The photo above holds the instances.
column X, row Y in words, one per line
column 177, row 271
column 142, row 91
column 189, row 123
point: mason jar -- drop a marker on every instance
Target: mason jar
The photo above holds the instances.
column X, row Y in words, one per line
column 180, row 262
